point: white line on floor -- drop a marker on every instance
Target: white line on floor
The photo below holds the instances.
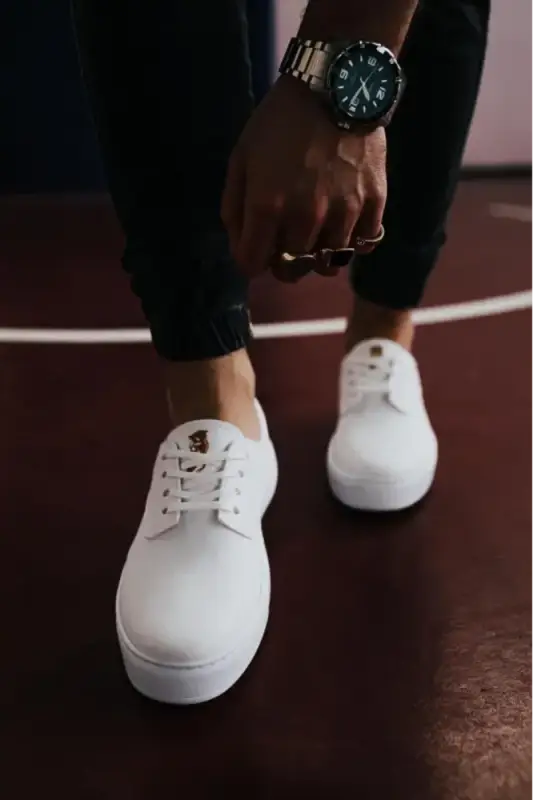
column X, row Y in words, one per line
column 520, row 213
column 271, row 330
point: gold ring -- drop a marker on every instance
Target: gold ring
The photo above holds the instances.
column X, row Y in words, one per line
column 339, row 257
column 288, row 257
column 363, row 241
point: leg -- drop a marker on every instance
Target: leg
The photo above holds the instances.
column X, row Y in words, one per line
column 383, row 454
column 170, row 91
column 169, row 82
column 443, row 59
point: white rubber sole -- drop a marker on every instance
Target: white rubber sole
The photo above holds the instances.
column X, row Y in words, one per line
column 376, row 496
column 199, row 683
column 188, row 685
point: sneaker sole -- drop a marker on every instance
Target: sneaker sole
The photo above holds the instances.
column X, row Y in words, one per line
column 188, row 685
column 375, row 496
column 184, row 685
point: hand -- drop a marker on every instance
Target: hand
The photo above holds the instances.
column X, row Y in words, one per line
column 297, row 183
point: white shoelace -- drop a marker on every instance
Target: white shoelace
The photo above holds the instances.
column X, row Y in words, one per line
column 201, row 481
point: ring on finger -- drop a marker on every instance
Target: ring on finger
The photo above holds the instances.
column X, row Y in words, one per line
column 364, row 241
column 341, row 257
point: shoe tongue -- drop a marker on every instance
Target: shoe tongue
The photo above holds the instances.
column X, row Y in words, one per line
column 377, row 349
column 205, row 436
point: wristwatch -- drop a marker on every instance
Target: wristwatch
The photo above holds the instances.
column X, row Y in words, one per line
column 362, row 82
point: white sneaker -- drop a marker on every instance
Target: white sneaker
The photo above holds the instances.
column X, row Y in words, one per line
column 383, row 454
column 193, row 600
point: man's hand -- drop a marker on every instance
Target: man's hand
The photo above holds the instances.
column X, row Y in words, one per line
column 296, row 183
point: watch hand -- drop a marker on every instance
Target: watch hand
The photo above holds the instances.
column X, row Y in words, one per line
column 358, row 92
column 369, row 76
column 363, row 88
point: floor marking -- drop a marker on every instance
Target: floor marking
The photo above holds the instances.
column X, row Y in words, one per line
column 520, row 213
column 271, row 330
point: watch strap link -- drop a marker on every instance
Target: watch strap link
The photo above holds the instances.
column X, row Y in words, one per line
column 308, row 61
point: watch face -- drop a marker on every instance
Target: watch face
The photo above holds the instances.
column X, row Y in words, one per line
column 364, row 82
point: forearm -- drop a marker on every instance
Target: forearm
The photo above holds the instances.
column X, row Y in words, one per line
column 383, row 21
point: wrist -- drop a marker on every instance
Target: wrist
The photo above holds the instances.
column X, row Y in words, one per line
column 298, row 92
column 383, row 21
column 358, row 85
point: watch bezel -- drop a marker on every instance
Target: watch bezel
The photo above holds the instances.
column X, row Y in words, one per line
column 348, row 120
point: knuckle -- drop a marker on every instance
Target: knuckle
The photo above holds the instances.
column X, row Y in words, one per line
column 381, row 199
column 353, row 205
column 380, row 193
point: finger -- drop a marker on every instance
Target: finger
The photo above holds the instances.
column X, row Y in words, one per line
column 302, row 223
column 259, row 234
column 335, row 237
column 342, row 218
column 368, row 225
column 330, row 262
column 323, row 265
column 232, row 209
column 292, row 271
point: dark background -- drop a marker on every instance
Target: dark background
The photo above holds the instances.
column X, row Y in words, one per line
column 47, row 143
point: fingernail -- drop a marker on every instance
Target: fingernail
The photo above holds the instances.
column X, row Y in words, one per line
column 341, row 258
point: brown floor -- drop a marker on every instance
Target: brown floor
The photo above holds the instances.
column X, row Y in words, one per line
column 397, row 661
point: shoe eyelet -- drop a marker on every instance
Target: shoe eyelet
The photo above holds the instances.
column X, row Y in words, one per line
column 164, row 474
column 164, row 510
column 236, row 511
column 241, row 474
column 166, row 493
column 237, row 491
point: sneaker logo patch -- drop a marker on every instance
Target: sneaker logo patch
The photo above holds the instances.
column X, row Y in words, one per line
column 198, row 442
column 376, row 351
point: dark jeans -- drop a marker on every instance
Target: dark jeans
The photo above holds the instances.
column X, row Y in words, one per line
column 170, row 88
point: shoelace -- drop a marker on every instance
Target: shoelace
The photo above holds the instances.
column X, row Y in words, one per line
column 201, row 478
column 369, row 375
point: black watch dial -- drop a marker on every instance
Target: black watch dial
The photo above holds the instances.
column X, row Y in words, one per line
column 364, row 81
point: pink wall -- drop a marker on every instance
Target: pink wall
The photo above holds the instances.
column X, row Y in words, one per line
column 501, row 132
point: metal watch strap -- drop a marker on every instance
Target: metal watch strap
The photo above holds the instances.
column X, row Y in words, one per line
column 308, row 61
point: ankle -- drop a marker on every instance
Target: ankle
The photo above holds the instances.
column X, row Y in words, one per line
column 370, row 321
column 220, row 388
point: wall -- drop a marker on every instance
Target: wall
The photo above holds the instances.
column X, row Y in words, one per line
column 501, row 131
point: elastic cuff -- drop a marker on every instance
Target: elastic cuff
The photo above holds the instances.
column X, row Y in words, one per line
column 395, row 276
column 178, row 337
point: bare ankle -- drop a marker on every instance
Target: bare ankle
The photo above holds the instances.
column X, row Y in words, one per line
column 218, row 388
column 370, row 321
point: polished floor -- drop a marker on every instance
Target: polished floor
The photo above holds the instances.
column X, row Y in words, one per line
column 397, row 661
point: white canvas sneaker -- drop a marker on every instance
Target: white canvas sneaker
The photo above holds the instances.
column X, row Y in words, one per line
column 193, row 599
column 383, row 454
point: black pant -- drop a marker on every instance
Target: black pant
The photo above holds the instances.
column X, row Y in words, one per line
column 170, row 87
